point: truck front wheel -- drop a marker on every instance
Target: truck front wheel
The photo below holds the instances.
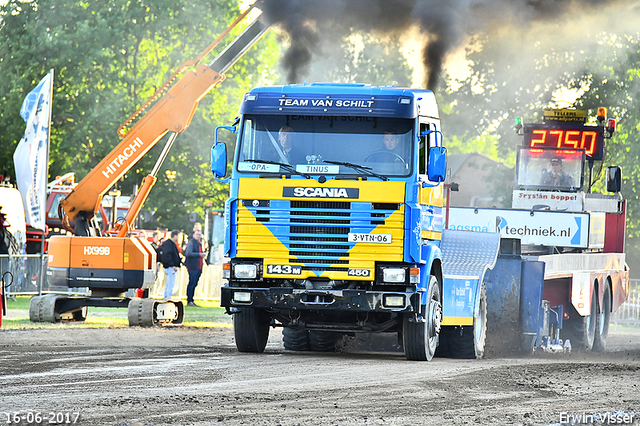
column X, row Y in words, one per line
column 420, row 338
column 251, row 329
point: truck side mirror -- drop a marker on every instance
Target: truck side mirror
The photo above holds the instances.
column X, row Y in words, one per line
column 437, row 167
column 614, row 178
column 219, row 160
column 219, row 154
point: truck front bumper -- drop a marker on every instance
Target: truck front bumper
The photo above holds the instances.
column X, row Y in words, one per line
column 280, row 298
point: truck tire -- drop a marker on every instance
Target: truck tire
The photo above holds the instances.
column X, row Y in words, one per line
column 469, row 342
column 251, row 329
column 602, row 322
column 295, row 340
column 581, row 331
column 420, row 339
column 324, row 341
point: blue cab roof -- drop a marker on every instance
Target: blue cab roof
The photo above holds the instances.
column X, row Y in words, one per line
column 340, row 99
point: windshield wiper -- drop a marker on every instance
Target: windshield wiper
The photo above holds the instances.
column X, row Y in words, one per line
column 287, row 167
column 358, row 168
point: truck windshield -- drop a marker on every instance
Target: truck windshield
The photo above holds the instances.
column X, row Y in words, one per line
column 550, row 169
column 373, row 144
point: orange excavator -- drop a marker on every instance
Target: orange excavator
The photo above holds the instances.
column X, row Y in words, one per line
column 107, row 269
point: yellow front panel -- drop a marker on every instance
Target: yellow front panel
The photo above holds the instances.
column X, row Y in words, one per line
column 312, row 232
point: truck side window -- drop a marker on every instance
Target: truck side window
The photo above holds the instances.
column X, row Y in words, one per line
column 422, row 162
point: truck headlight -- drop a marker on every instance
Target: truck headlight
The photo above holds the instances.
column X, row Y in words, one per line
column 394, row 275
column 245, row 271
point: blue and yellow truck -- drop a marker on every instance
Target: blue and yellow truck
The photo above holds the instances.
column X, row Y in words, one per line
column 334, row 224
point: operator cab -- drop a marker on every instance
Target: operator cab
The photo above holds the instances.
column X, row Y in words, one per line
column 550, row 169
column 549, row 179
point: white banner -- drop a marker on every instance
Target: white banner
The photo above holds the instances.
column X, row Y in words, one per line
column 537, row 227
column 31, row 156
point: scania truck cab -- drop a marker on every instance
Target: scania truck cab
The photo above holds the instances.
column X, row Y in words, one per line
column 334, row 223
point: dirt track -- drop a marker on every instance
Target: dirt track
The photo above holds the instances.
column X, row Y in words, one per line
column 194, row 376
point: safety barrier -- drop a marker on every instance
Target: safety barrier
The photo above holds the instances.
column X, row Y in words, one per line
column 629, row 313
column 25, row 271
column 208, row 287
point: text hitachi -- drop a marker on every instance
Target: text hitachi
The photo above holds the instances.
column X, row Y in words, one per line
column 122, row 157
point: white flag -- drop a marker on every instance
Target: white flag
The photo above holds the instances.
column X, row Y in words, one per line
column 31, row 156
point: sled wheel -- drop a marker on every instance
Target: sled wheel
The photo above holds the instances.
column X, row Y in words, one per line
column 324, row 341
column 295, row 340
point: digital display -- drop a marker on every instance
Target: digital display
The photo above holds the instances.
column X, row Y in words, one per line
column 589, row 138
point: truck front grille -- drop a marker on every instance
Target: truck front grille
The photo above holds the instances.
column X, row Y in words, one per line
column 316, row 233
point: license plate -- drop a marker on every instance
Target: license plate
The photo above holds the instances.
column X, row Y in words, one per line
column 370, row 238
column 284, row 269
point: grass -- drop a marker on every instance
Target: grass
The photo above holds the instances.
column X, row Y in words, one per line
column 207, row 314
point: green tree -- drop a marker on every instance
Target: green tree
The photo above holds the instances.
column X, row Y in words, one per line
column 614, row 82
column 108, row 58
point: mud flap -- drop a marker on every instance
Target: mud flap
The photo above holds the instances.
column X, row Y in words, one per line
column 466, row 256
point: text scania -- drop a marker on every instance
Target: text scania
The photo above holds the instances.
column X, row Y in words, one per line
column 339, row 103
column 122, row 157
column 302, row 192
column 321, row 192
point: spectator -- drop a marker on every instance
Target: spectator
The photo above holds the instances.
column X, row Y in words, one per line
column 155, row 243
column 194, row 260
column 4, row 246
column 171, row 262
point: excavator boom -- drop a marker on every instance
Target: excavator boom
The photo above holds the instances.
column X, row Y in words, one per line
column 171, row 113
column 109, row 266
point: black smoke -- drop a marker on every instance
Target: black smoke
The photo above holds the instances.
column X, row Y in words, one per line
column 314, row 25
